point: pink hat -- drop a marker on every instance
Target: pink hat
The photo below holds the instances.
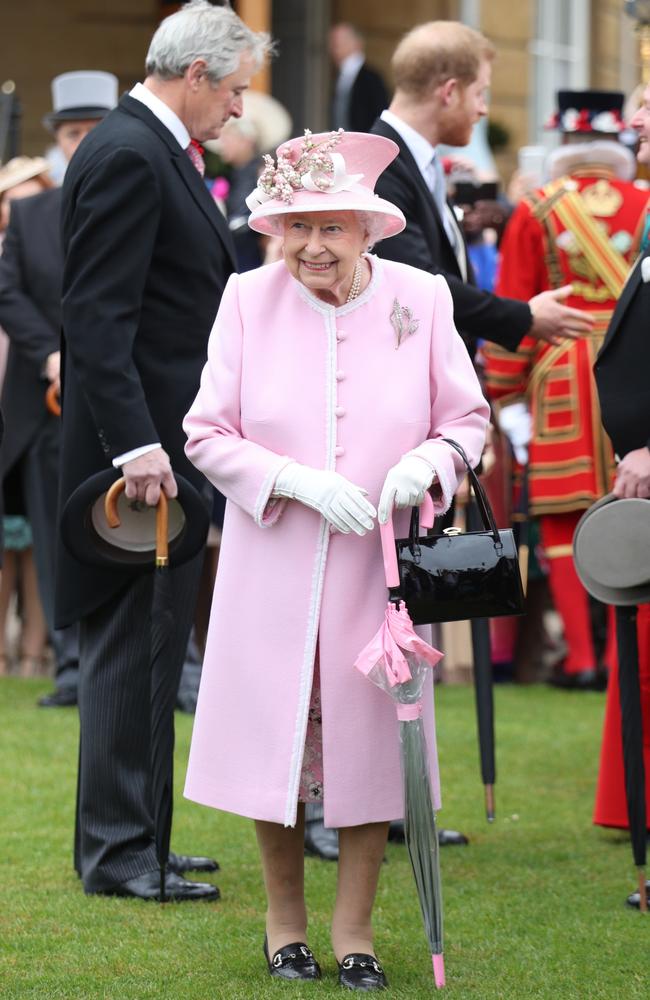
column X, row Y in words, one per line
column 329, row 172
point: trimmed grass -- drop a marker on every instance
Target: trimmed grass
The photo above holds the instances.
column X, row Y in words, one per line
column 533, row 908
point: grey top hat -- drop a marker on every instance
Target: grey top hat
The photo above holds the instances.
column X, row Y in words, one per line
column 611, row 550
column 81, row 96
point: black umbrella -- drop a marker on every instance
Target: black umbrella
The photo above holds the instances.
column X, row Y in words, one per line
column 483, row 686
column 632, row 730
column 163, row 694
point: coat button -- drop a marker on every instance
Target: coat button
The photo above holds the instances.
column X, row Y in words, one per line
column 339, row 450
column 340, row 411
column 340, row 375
column 341, row 334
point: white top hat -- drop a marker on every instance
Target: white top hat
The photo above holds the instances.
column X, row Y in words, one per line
column 81, row 95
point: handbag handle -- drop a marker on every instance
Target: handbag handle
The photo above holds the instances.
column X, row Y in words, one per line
column 482, row 502
column 387, row 533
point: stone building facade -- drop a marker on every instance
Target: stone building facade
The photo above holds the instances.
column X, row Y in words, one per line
column 542, row 44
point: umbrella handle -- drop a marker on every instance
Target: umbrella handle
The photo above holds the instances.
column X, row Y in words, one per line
column 387, row 534
column 52, row 400
column 162, row 518
column 110, row 502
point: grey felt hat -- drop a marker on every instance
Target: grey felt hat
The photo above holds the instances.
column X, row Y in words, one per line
column 611, row 550
column 82, row 95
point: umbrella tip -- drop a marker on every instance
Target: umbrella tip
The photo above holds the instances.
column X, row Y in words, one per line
column 439, row 970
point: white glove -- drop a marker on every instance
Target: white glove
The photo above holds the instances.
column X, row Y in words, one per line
column 516, row 423
column 405, row 485
column 339, row 501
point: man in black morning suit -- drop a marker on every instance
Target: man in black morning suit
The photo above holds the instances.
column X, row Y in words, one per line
column 31, row 268
column 147, row 257
column 442, row 71
column 623, row 362
column 359, row 91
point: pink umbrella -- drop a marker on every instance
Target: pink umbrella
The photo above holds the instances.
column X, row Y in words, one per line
column 397, row 660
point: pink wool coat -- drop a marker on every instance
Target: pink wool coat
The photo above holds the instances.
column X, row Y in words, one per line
column 289, row 377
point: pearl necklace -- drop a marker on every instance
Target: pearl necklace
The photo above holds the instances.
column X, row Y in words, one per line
column 355, row 287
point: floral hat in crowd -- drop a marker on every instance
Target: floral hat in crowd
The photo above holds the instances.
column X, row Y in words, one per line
column 328, row 172
column 588, row 111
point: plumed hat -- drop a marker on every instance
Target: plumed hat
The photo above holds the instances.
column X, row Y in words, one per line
column 588, row 111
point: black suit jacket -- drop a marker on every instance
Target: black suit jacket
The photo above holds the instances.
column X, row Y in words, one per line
column 31, row 267
column 367, row 99
column 622, row 365
column 147, row 257
column 425, row 244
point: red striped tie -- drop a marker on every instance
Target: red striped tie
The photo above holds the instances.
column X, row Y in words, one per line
column 195, row 153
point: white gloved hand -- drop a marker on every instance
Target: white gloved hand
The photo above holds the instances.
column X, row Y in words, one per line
column 339, row 501
column 516, row 423
column 405, row 485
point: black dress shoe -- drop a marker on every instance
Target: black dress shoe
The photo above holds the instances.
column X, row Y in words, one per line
column 361, row 972
column 451, row 838
column 321, row 841
column 634, row 899
column 446, row 838
column 181, row 863
column 583, row 680
column 177, row 889
column 294, row 961
column 63, row 697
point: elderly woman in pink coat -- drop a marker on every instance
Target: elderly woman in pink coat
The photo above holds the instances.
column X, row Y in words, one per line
column 332, row 377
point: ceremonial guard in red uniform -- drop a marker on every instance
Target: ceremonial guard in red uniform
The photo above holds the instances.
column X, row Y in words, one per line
column 583, row 228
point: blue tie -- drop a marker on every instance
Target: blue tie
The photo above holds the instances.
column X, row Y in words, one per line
column 440, row 198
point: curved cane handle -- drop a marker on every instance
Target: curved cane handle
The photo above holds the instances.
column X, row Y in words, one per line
column 52, row 400
column 162, row 518
column 110, row 502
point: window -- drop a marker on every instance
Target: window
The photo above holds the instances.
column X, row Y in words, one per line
column 560, row 59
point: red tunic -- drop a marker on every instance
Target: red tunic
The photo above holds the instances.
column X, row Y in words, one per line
column 570, row 458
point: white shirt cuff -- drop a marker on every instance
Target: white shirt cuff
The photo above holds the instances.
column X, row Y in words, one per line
column 128, row 456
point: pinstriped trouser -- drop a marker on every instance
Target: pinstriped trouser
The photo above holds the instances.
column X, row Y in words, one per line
column 114, row 834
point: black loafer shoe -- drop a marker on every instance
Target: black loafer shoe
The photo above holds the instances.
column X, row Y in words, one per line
column 177, row 889
column 181, row 863
column 321, row 841
column 451, row 838
column 361, row 972
column 294, row 961
column 583, row 680
column 63, row 697
column 446, row 838
column 634, row 899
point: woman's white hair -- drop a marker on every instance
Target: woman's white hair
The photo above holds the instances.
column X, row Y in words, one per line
column 201, row 31
column 372, row 224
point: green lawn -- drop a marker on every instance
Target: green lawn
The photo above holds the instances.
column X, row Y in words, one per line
column 533, row 908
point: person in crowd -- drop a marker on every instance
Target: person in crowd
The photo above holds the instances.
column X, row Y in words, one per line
column 20, row 177
column 359, row 92
column 147, row 255
column 30, row 311
column 442, row 71
column 625, row 409
column 583, row 228
column 264, row 124
column 283, row 718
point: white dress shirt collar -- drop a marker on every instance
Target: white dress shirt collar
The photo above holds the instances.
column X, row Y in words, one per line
column 163, row 113
column 350, row 67
column 420, row 148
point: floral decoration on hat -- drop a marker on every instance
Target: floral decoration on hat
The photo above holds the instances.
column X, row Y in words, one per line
column 317, row 169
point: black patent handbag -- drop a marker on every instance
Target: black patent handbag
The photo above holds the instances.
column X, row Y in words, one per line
column 459, row 575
